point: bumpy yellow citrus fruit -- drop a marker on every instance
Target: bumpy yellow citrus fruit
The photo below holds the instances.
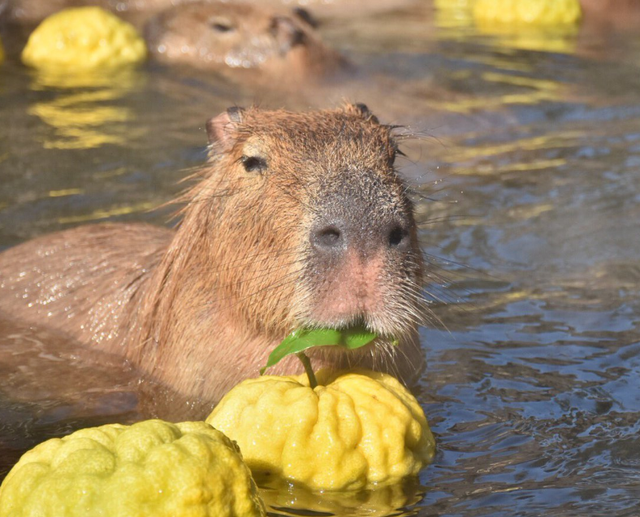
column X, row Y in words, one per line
column 355, row 430
column 534, row 12
column 83, row 38
column 151, row 468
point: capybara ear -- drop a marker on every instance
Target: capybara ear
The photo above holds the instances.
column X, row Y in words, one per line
column 287, row 33
column 306, row 16
column 221, row 129
column 362, row 111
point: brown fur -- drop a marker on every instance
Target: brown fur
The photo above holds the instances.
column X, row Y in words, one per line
column 611, row 15
column 201, row 308
column 282, row 46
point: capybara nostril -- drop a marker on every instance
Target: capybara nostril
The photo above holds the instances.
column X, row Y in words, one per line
column 398, row 237
column 328, row 238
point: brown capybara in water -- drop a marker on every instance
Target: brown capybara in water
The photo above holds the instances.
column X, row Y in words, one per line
column 31, row 12
column 297, row 220
column 136, row 11
column 611, row 15
column 242, row 37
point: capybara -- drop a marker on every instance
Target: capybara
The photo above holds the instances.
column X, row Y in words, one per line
column 34, row 11
column 296, row 220
column 242, row 37
column 611, row 15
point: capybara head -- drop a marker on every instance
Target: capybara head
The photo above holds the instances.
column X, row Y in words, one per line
column 240, row 36
column 311, row 221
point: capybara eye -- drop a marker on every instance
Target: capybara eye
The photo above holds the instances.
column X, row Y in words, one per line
column 221, row 26
column 253, row 163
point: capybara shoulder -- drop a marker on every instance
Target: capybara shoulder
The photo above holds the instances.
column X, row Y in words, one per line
column 242, row 37
column 296, row 220
column 81, row 280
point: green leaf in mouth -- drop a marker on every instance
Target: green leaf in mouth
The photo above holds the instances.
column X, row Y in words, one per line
column 302, row 339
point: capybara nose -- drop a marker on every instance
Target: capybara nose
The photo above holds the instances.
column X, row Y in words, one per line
column 328, row 238
column 395, row 235
column 336, row 237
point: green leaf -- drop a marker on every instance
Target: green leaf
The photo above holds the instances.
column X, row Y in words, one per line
column 301, row 339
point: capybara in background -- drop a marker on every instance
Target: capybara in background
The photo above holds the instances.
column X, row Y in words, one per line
column 273, row 47
column 34, row 11
column 221, row 36
column 296, row 220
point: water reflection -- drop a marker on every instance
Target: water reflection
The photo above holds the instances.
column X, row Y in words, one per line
column 85, row 112
column 285, row 500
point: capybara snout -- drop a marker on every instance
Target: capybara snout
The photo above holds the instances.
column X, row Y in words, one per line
column 357, row 218
column 364, row 262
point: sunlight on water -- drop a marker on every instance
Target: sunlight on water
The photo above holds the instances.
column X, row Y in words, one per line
column 86, row 117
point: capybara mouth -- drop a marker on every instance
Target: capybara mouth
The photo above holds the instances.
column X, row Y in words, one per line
column 382, row 293
column 394, row 325
column 381, row 353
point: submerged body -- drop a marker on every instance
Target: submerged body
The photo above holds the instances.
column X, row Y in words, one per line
column 297, row 220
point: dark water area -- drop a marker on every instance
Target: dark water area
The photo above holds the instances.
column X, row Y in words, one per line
column 527, row 179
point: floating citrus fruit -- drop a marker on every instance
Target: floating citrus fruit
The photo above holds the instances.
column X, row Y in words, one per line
column 151, row 468
column 83, row 38
column 354, row 430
